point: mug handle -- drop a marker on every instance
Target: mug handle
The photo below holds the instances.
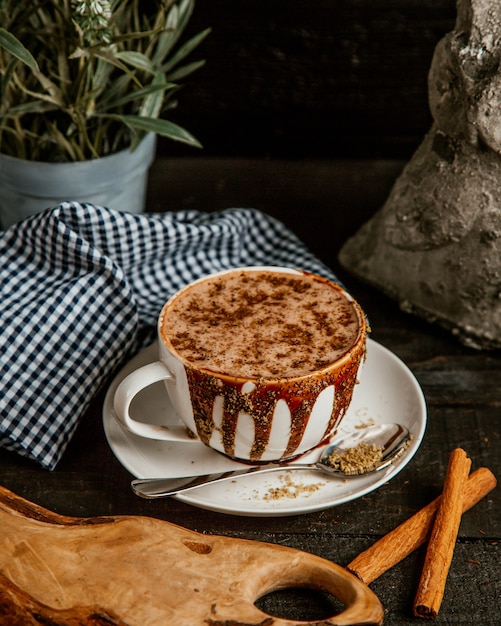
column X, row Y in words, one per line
column 126, row 391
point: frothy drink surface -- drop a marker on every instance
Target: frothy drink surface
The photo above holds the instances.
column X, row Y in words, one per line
column 260, row 323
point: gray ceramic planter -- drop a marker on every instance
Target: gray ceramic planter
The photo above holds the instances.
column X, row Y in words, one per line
column 117, row 181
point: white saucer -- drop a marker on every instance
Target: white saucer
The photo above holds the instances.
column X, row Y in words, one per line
column 388, row 392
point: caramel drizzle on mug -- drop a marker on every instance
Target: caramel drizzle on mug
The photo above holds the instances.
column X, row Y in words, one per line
column 260, row 403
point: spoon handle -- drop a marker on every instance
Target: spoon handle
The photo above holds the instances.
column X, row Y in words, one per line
column 163, row 487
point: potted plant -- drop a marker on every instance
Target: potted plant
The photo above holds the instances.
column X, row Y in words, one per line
column 83, row 84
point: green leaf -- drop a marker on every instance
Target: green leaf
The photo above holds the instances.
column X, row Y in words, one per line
column 56, row 100
column 113, row 60
column 116, row 89
column 138, row 94
column 165, row 128
column 137, row 60
column 34, row 106
column 185, row 50
column 186, row 8
column 8, row 76
column 169, row 37
column 152, row 105
column 101, row 79
column 55, row 95
column 185, row 70
column 16, row 48
column 77, row 53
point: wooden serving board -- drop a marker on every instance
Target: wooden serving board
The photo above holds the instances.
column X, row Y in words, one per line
column 140, row 571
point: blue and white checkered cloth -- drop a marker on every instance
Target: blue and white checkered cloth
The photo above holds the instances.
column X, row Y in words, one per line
column 81, row 288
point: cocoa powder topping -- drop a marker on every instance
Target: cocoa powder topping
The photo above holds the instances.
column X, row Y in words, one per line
column 261, row 323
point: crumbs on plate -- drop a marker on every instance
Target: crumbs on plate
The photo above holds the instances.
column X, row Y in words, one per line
column 362, row 425
column 290, row 489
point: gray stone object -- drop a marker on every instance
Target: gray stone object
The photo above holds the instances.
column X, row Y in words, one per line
column 435, row 245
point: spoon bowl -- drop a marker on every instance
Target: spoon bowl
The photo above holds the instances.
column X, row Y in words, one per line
column 358, row 453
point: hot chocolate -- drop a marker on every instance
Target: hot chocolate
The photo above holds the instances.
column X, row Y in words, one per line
column 260, row 363
column 261, row 324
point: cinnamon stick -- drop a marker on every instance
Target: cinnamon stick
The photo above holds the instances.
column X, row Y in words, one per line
column 408, row 536
column 443, row 537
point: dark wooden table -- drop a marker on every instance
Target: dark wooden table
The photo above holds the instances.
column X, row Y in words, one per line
column 323, row 202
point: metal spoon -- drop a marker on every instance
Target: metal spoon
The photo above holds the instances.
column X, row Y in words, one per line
column 392, row 439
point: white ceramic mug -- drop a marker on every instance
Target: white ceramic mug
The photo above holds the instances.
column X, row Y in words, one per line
column 247, row 418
